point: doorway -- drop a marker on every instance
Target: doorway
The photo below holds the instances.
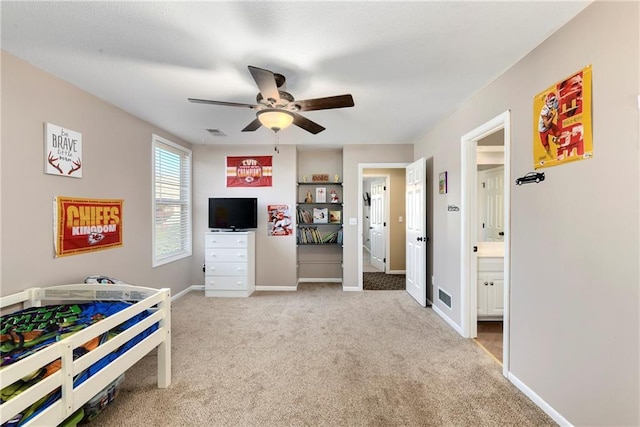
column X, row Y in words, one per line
column 391, row 215
column 494, row 256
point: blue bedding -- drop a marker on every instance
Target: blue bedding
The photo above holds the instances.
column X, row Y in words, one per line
column 29, row 330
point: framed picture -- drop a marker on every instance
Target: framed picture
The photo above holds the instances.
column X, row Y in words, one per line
column 320, row 215
column 63, row 151
column 334, row 217
column 442, row 183
column 321, row 195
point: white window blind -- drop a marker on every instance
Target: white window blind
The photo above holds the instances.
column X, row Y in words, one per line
column 171, row 201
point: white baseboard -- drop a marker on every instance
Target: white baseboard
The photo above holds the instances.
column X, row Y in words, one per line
column 320, row 280
column 186, row 291
column 351, row 289
column 555, row 415
column 276, row 288
column 397, row 272
column 447, row 319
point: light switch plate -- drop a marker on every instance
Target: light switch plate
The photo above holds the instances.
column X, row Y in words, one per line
column 353, row 221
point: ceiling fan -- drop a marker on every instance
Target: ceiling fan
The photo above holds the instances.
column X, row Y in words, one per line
column 276, row 109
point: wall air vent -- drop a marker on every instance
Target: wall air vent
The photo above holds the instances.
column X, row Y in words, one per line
column 444, row 297
column 216, row 132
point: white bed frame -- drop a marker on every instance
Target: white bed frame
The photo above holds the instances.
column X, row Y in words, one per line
column 156, row 300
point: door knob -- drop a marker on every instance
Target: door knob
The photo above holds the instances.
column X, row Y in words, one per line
column 485, row 283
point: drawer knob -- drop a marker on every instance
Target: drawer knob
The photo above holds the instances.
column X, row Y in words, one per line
column 485, row 283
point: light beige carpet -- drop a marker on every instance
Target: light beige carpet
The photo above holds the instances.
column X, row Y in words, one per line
column 319, row 357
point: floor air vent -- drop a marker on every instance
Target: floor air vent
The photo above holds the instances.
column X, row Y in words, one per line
column 444, row 297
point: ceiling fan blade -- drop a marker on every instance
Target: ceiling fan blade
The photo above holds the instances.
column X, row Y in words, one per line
column 306, row 124
column 339, row 101
column 266, row 82
column 252, row 126
column 224, row 103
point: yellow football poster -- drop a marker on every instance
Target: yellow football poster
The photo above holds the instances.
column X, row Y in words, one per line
column 562, row 121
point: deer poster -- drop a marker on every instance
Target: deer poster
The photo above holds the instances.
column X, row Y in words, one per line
column 63, row 151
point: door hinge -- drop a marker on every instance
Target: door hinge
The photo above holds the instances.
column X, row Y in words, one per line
column 384, row 260
column 483, row 185
column 384, row 224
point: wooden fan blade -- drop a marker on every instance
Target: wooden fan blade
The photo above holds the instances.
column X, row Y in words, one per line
column 266, row 82
column 338, row 101
column 306, row 124
column 224, row 103
column 252, row 126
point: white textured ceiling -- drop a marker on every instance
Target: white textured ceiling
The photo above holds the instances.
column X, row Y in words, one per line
column 407, row 64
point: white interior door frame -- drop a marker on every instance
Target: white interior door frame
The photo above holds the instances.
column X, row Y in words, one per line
column 470, row 228
column 361, row 168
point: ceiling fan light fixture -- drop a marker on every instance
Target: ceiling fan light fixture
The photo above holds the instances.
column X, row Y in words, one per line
column 275, row 119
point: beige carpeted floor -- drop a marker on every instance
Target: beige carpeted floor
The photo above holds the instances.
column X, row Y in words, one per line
column 319, row 357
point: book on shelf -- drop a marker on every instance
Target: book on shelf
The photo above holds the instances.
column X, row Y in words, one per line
column 335, row 217
column 312, row 236
column 320, row 215
column 304, row 216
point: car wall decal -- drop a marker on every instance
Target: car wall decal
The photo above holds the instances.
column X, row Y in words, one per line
column 530, row 177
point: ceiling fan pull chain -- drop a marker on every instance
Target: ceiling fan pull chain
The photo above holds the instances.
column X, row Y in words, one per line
column 277, row 138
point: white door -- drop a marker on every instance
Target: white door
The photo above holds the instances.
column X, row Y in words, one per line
column 416, row 231
column 494, row 205
column 376, row 225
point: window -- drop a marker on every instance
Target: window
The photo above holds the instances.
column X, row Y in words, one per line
column 171, row 201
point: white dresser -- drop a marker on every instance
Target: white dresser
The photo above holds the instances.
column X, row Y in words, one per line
column 229, row 264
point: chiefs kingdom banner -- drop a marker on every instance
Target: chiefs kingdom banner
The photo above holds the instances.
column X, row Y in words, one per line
column 85, row 225
column 249, row 171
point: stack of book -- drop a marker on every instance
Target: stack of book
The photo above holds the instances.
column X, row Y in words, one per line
column 312, row 236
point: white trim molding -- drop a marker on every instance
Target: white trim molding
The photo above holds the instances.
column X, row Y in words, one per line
column 277, row 288
column 555, row 415
column 447, row 319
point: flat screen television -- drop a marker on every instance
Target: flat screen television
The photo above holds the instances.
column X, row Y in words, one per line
column 233, row 213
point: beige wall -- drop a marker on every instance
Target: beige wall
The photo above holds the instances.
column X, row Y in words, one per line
column 397, row 230
column 116, row 163
column 352, row 156
column 575, row 336
column 275, row 256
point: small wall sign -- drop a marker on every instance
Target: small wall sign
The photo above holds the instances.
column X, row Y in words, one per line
column 442, row 183
column 62, row 151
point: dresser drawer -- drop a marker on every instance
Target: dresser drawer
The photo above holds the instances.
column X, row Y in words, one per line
column 227, row 240
column 212, row 255
column 227, row 269
column 221, row 283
